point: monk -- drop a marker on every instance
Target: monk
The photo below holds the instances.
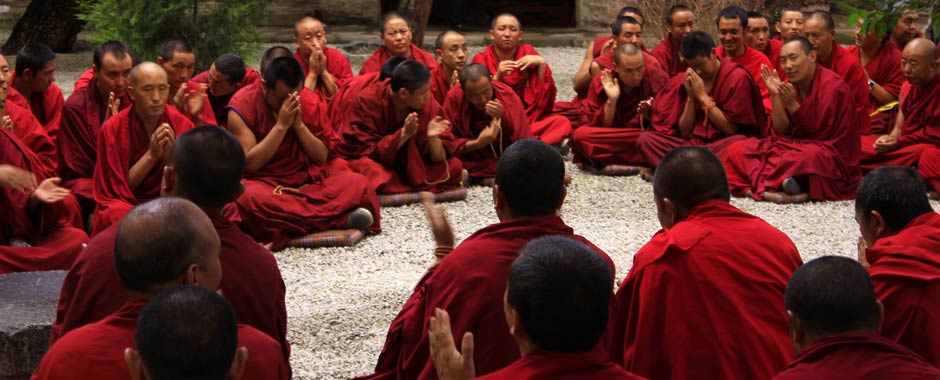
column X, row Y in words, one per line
column 815, row 146
column 325, row 68
column 471, row 279
column 226, row 76
column 616, row 111
column 186, row 332
column 83, row 114
column 487, row 117
column 396, row 36
column 882, row 63
column 24, row 126
column 705, row 262
column 604, row 44
column 556, row 281
column 288, row 190
column 820, row 30
column 205, row 167
column 178, row 59
column 899, row 242
column 451, row 50
column 757, row 36
column 713, row 104
column 345, row 97
column 917, row 127
column 521, row 67
column 397, row 129
column 160, row 245
column 36, row 89
column 679, row 22
column 789, row 24
column 906, row 28
column 834, row 322
column 732, row 28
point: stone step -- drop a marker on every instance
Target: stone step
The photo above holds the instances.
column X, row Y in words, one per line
column 27, row 310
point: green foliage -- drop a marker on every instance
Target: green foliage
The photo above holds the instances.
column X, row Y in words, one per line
column 883, row 15
column 213, row 27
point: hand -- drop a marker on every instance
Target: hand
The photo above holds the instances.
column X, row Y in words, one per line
column 6, row 123
column 494, row 109
column 317, row 61
column 491, row 132
column 455, row 79
column 530, row 60
column 505, row 67
column 437, row 216
column 114, row 106
column 771, row 80
column 411, row 125
column 195, row 100
column 437, row 127
column 449, row 362
column 161, row 141
column 49, row 191
column 16, row 178
column 290, row 109
column 787, row 94
column 611, row 44
column 885, row 144
column 862, row 249
column 645, row 108
column 694, row 85
column 611, row 85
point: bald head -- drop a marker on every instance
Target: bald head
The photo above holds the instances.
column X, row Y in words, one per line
column 922, row 47
column 505, row 18
column 146, row 69
column 689, row 176
column 304, row 23
column 626, row 50
column 919, row 61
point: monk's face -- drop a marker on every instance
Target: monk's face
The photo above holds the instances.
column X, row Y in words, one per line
column 868, row 40
column 629, row 34
column 683, row 23
column 506, row 32
column 796, row 64
column 867, row 228
column 397, row 37
column 917, row 65
column 820, row 36
column 478, row 92
column 310, row 34
column 758, row 32
column 731, row 35
column 219, row 84
column 630, row 70
column 275, row 97
column 417, row 98
column 705, row 67
column 40, row 80
column 150, row 91
column 179, row 69
column 453, row 51
column 4, row 78
column 114, row 75
column 790, row 24
column 906, row 28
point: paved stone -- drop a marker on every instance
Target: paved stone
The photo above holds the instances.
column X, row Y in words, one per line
column 27, row 309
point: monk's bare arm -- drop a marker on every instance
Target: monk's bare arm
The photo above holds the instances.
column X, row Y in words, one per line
column 882, row 95
column 436, row 150
column 778, row 116
column 582, row 78
column 687, row 119
column 898, row 124
column 312, row 146
column 717, row 118
column 329, row 84
column 610, row 110
column 139, row 171
column 161, row 140
column 256, row 154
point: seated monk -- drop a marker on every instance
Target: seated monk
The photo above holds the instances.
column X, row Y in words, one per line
column 815, row 145
column 83, row 114
column 556, row 281
column 451, row 50
column 705, row 262
column 899, row 244
column 178, row 59
column 834, row 322
column 917, row 127
column 345, row 97
column 486, row 117
column 396, row 130
column 288, row 190
column 713, row 104
column 679, row 22
column 226, row 76
column 36, row 89
column 521, row 67
column 906, row 28
column 732, row 29
column 133, row 146
column 21, row 122
column 605, row 44
column 396, row 36
column 325, row 68
column 616, row 111
column 186, row 332
column 471, row 279
column 757, row 36
column 789, row 24
column 159, row 245
column 205, row 166
column 882, row 63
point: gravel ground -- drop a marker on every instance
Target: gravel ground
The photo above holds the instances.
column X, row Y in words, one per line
column 341, row 300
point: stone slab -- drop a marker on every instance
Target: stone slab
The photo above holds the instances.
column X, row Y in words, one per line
column 27, row 310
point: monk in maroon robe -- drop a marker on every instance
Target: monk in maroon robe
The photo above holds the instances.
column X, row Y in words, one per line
column 347, row 94
column 906, row 28
column 732, row 27
column 815, row 145
column 617, row 110
column 713, row 104
column 521, row 67
column 160, row 245
column 226, row 76
column 325, row 68
column 834, row 322
column 680, row 21
column 36, row 90
column 178, row 59
column 699, row 301
column 882, row 63
column 451, row 50
column 26, row 128
column 471, row 280
column 396, row 36
column 790, row 23
column 605, row 44
column 556, row 281
column 757, row 36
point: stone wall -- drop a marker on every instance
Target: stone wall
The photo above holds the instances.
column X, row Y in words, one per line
column 345, row 12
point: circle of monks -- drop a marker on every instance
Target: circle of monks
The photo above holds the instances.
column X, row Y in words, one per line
column 178, row 177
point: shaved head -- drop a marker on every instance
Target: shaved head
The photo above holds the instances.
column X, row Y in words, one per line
column 271, row 53
column 626, row 50
column 473, row 73
column 145, row 69
column 833, row 295
column 922, row 47
column 306, row 21
column 502, row 15
column 919, row 61
column 825, row 17
column 689, row 176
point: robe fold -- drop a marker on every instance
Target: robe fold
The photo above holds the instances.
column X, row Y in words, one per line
column 919, row 133
column 374, row 63
column 469, row 283
column 84, row 80
column 847, row 66
column 772, row 52
column 668, row 56
column 345, row 97
column 292, row 196
column 206, row 114
column 46, row 106
column 122, row 142
column 369, row 138
column 703, row 299
column 467, row 122
column 219, row 103
column 751, row 61
column 537, row 94
column 336, row 64
column 540, row 364
column 885, row 69
column 96, row 351
column 823, row 145
column 857, row 356
column 33, row 136
column 734, row 93
column 440, row 84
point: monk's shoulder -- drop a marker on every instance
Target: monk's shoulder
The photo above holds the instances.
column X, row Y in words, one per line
column 115, row 123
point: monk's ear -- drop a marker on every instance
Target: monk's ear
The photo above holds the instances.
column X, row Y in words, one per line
column 877, row 223
column 881, row 316
column 439, row 54
column 191, row 276
column 797, row 332
column 169, row 181
column 402, row 92
column 812, row 55
column 134, row 364
column 26, row 74
column 238, row 364
column 561, row 200
column 498, row 199
column 160, row 60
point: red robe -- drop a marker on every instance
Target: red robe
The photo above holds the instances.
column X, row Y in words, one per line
column 751, row 61
column 440, row 84
column 537, row 94
column 96, row 351
column 823, row 144
column 668, row 55
column 772, row 52
column 884, row 69
column 291, row 196
column 906, row 274
column 919, row 133
column 369, row 138
column 734, row 92
column 206, row 114
column 336, row 64
column 467, row 122
column 539, row 365
column 857, row 356
column 847, row 66
column 46, row 106
column 33, row 136
column 469, row 283
column 606, row 61
column 704, row 299
column 375, row 62
column 123, row 141
column 219, row 103
column 616, row 144
column 54, row 243
column 345, row 97
column 84, row 80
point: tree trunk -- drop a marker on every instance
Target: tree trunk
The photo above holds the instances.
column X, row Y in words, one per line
column 52, row 22
column 417, row 13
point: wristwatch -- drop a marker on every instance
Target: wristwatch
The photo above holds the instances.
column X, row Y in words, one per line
column 871, row 84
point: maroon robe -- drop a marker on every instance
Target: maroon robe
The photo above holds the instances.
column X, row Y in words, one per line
column 919, row 133
column 885, row 69
column 336, row 64
column 668, row 55
column 751, row 60
column 84, row 80
column 206, row 114
column 772, row 52
column 219, row 103
column 734, row 92
column 469, row 283
column 345, row 97
column 46, row 106
column 33, row 136
column 467, row 122
column 857, row 356
column 378, row 58
column 848, row 67
column 440, row 84
column 704, row 299
column 122, row 142
column 540, row 364
column 537, row 94
column 823, row 144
